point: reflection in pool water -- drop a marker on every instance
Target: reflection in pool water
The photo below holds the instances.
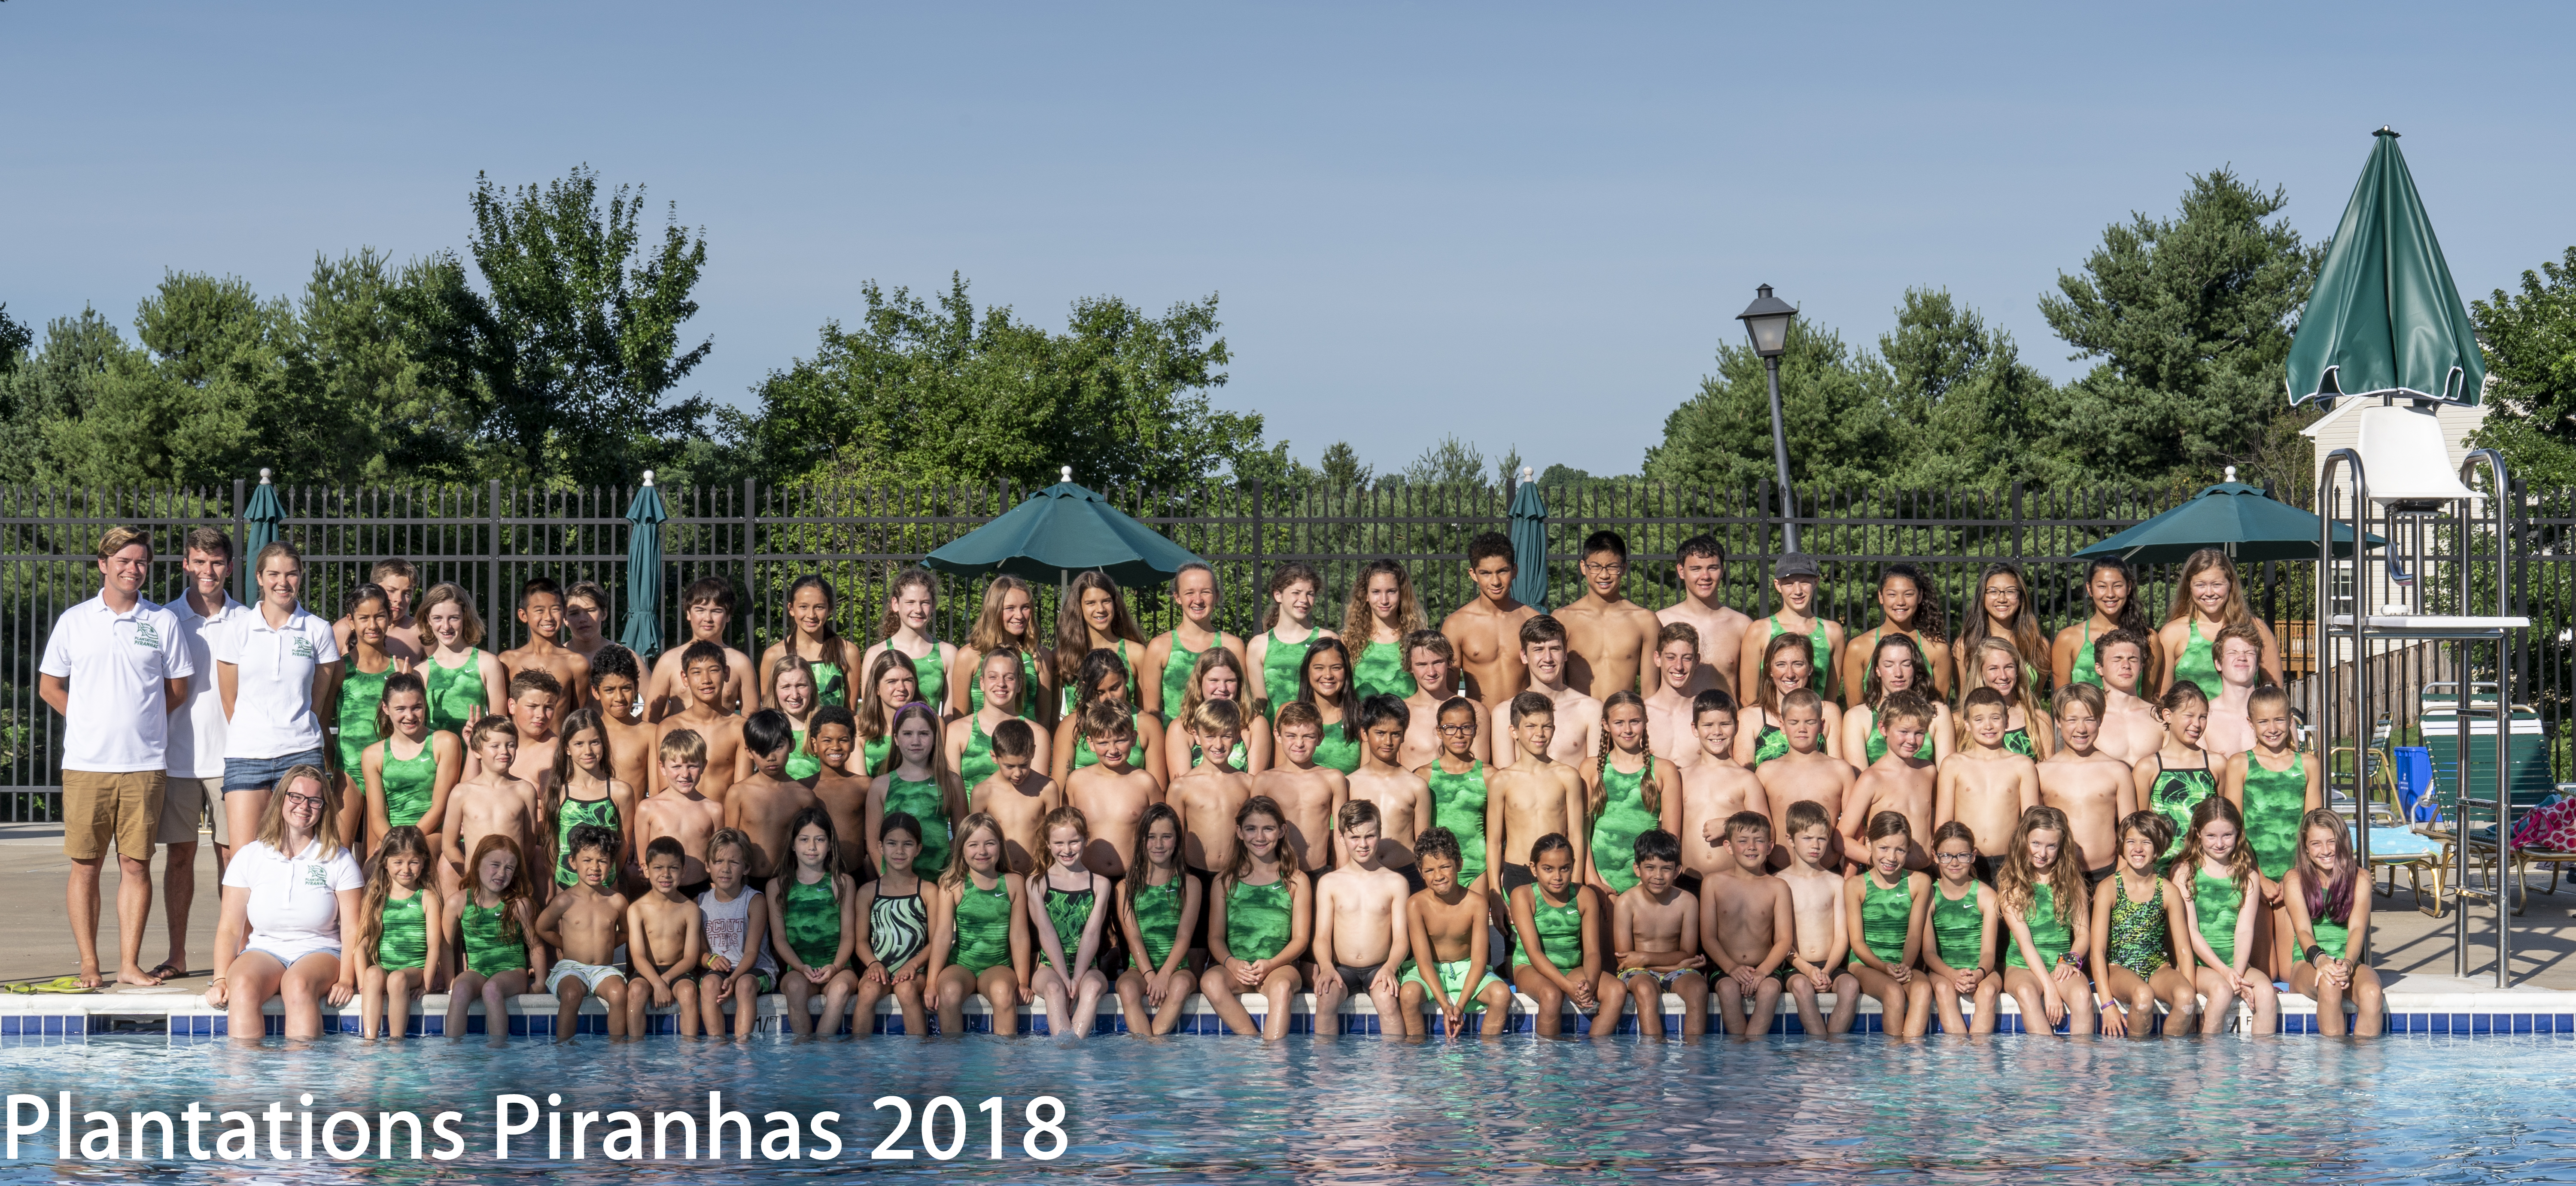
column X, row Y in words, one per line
column 1361, row 1109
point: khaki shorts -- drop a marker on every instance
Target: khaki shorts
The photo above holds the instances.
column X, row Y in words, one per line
column 184, row 805
column 97, row 808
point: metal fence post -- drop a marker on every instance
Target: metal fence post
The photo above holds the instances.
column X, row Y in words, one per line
column 751, row 599
column 2016, row 520
column 241, row 533
column 492, row 599
column 1260, row 580
column 1762, row 547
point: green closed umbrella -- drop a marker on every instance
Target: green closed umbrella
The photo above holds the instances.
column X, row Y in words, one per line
column 2231, row 516
column 644, row 515
column 2385, row 318
column 1529, row 544
column 1061, row 530
column 260, row 523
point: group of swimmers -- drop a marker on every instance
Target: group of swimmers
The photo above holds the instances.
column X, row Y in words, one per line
column 1586, row 805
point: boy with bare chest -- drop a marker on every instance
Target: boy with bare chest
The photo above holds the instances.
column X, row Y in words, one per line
column 1700, row 566
column 1207, row 797
column 1607, row 635
column 719, row 733
column 1403, row 800
column 677, row 810
column 1899, row 781
column 585, row 925
column 1714, row 789
column 2131, row 728
column 1485, row 632
column 1984, row 785
column 534, row 706
column 1747, row 925
column 1654, row 939
column 1806, row 774
column 1311, row 794
column 616, row 686
column 663, row 942
column 1435, row 678
column 1578, row 715
column 2094, row 789
column 1111, row 794
column 541, row 610
column 1540, row 795
column 1360, row 932
column 1447, row 933
column 492, row 801
column 834, row 738
column 1823, row 939
column 1669, row 705
column 761, row 805
column 1017, row 796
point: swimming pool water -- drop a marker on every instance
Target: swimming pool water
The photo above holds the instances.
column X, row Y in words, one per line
column 1351, row 1110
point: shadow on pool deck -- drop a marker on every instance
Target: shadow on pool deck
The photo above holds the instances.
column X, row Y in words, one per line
column 2414, row 950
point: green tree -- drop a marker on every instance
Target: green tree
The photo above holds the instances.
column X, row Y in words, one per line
column 572, row 347
column 1967, row 411
column 1342, row 469
column 1833, row 413
column 917, row 393
column 2192, row 318
column 2530, row 340
column 14, row 340
column 360, row 403
column 90, row 409
column 1452, row 462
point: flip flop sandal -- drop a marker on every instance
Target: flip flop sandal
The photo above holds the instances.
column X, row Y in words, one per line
column 59, row 984
column 165, row 970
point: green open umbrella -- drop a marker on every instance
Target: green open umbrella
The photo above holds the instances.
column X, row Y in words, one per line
column 1061, row 530
column 644, row 515
column 2232, row 517
column 1529, row 544
column 2385, row 318
column 260, row 523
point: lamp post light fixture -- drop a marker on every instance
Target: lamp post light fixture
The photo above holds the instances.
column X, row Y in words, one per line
column 1767, row 321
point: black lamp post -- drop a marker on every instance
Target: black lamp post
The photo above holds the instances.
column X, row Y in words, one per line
column 1767, row 320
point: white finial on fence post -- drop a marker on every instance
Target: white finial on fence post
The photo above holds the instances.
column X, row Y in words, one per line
column 263, row 476
column 648, row 477
column 1068, row 474
column 1525, row 473
column 2231, row 473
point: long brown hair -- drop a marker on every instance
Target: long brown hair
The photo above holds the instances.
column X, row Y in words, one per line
column 1870, row 691
column 1360, row 622
column 988, row 634
column 1646, row 788
column 2131, row 617
column 1135, row 878
column 912, row 577
column 954, row 876
column 2023, row 630
column 1209, row 660
column 2329, row 891
column 2240, row 862
column 520, row 892
column 380, row 884
column 1073, row 633
column 1928, row 621
column 1765, row 692
column 1348, row 701
column 2065, row 882
column 1285, row 854
column 2235, row 612
column 876, row 717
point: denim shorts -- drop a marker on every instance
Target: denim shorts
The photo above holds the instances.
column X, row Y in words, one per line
column 260, row 774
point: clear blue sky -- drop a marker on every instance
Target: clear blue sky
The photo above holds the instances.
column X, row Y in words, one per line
column 1525, row 225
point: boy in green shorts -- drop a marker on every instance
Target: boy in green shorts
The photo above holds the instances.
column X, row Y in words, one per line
column 1448, row 924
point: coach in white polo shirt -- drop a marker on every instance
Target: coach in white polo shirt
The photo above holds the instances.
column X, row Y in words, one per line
column 197, row 734
column 115, row 667
column 272, row 666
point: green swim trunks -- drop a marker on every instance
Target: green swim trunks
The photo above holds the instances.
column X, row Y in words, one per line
column 1453, row 978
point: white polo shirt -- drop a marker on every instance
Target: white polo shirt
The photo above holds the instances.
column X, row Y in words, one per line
column 117, row 665
column 197, row 729
column 273, row 682
column 294, row 900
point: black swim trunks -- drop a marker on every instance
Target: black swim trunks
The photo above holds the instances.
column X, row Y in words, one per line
column 2093, row 878
column 1356, row 980
column 1413, row 878
column 1516, row 876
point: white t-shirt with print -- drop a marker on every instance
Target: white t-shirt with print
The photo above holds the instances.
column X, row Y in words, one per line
column 273, row 683
column 293, row 900
column 197, row 730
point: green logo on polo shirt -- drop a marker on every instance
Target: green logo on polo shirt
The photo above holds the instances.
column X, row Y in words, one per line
column 317, row 875
column 146, row 636
column 301, row 648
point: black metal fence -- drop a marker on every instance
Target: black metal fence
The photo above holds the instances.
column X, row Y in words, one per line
column 489, row 538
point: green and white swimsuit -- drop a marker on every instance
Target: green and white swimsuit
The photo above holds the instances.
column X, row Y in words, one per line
column 409, row 783
column 2048, row 932
column 1380, row 672
column 2275, row 801
column 1256, row 919
column 1458, row 804
column 983, row 925
column 402, row 935
column 975, row 762
column 1959, row 927
column 1158, row 918
column 2176, row 792
column 925, row 801
column 1338, row 749
column 2138, row 933
column 1560, row 930
column 491, row 947
column 360, row 693
column 2216, row 902
column 2199, row 663
column 1280, row 663
column 570, row 814
column 1069, row 913
column 1886, row 917
column 2083, row 672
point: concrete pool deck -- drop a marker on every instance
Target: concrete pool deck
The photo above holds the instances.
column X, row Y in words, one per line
column 2415, row 954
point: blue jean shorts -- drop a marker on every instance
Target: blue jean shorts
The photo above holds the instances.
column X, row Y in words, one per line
column 260, row 774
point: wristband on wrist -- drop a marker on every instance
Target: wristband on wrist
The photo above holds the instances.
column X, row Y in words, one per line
column 2315, row 950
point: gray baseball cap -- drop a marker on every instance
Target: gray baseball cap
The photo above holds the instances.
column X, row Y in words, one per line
column 1794, row 566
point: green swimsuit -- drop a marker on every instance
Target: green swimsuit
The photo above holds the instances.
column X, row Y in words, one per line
column 1280, row 662
column 1458, row 804
column 1768, row 744
column 2018, row 741
column 1560, row 930
column 2334, row 936
column 930, row 680
column 402, row 934
column 1381, row 672
column 1176, row 674
column 455, row 693
column 1338, row 749
column 1623, row 818
column 409, row 784
column 1817, row 647
column 975, row 762
column 813, row 921
column 2199, row 664
column 1069, row 912
column 831, row 684
column 2175, row 793
column 1959, row 928
column 573, row 813
column 983, row 925
column 1158, row 919
column 2083, row 672
column 1886, row 916
column 872, row 755
column 360, row 693
column 2137, row 938
column 1256, row 919
column 2048, row 932
column 2274, row 802
column 801, row 762
column 2217, row 901
column 924, row 801
column 490, row 948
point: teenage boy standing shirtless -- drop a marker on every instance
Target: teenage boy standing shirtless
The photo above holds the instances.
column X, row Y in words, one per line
column 2131, row 727
column 1485, row 632
column 1578, row 714
column 2094, row 789
column 1701, row 567
column 1609, row 636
